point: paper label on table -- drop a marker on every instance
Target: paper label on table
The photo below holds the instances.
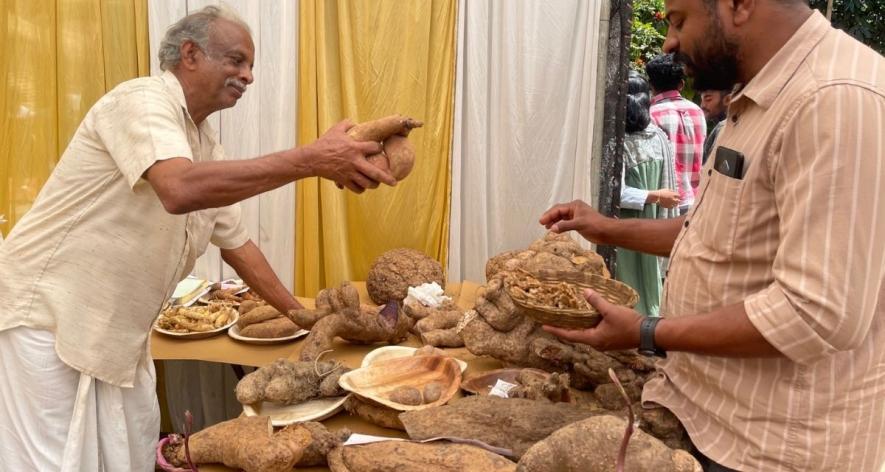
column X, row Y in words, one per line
column 501, row 388
column 357, row 438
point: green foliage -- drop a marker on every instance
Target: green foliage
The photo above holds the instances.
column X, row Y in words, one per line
column 863, row 19
column 648, row 32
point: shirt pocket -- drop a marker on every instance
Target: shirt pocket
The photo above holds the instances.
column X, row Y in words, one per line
column 199, row 228
column 718, row 213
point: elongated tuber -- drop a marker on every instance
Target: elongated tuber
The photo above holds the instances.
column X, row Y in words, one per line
column 383, row 128
column 340, row 314
column 397, row 155
column 246, row 443
column 290, row 382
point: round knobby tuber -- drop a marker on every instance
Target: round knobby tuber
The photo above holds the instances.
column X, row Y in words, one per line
column 395, row 271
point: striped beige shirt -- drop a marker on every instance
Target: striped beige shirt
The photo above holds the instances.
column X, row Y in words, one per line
column 97, row 255
column 800, row 239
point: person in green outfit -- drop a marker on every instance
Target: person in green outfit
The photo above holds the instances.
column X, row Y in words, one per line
column 647, row 184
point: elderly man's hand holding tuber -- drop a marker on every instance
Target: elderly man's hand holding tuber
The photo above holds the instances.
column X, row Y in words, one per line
column 338, row 157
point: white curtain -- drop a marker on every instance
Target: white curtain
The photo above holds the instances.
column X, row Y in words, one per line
column 524, row 111
column 263, row 121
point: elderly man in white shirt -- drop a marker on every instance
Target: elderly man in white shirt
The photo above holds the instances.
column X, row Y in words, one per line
column 137, row 196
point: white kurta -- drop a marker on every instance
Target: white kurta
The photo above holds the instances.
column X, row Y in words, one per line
column 54, row 418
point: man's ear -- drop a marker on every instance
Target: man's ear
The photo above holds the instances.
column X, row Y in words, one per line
column 742, row 11
column 681, row 85
column 189, row 53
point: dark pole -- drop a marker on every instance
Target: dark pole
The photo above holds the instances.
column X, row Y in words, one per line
column 617, row 66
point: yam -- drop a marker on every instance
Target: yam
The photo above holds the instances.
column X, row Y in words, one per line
column 510, row 423
column 400, row 156
column 246, row 443
column 382, row 128
column 374, row 413
column 256, row 315
column 274, row 328
column 404, row 456
column 593, row 444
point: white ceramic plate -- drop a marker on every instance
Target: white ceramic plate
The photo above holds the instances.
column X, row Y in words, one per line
column 283, row 415
column 234, row 332
column 199, row 334
column 390, row 352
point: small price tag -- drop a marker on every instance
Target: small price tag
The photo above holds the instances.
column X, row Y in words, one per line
column 501, row 388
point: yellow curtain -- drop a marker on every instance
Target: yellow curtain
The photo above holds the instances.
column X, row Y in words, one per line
column 57, row 59
column 364, row 59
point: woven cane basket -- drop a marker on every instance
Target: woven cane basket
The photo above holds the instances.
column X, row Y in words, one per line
column 580, row 316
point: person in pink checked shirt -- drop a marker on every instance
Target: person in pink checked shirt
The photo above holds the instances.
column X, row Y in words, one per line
column 681, row 120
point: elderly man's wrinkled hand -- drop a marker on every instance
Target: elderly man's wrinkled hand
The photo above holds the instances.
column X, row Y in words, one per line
column 618, row 329
column 340, row 158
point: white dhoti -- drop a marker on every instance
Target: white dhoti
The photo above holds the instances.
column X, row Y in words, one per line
column 54, row 418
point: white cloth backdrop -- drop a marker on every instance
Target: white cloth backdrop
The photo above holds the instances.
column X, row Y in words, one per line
column 524, row 111
column 263, row 121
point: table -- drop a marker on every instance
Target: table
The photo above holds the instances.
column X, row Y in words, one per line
column 224, row 349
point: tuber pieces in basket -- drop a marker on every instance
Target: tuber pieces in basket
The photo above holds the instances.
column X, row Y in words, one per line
column 246, row 443
column 348, row 319
column 593, row 444
column 289, row 382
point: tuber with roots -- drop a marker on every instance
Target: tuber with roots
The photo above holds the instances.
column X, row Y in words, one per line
column 289, row 382
column 594, row 444
column 339, row 313
column 247, row 443
column 510, row 423
column 397, row 155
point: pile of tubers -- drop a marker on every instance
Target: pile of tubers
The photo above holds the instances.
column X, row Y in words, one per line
column 338, row 313
column 397, row 154
column 496, row 327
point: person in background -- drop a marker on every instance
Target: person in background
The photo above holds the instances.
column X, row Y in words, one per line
column 647, row 191
column 714, row 103
column 139, row 193
column 772, row 324
column 681, row 120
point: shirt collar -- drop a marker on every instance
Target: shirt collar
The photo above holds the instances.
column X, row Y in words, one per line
column 668, row 95
column 768, row 83
column 174, row 86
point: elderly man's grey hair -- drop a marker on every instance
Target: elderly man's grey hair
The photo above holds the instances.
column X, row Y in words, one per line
column 194, row 27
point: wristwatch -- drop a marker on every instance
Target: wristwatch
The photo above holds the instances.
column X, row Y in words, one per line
column 647, row 345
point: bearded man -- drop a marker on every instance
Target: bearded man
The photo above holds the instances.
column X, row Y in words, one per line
column 773, row 317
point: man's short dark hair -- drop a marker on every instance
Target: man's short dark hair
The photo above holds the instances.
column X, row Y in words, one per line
column 664, row 73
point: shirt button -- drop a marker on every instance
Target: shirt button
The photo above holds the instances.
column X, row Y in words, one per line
column 734, row 119
column 686, row 223
column 710, row 172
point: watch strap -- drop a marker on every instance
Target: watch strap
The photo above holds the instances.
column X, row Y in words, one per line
column 647, row 346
